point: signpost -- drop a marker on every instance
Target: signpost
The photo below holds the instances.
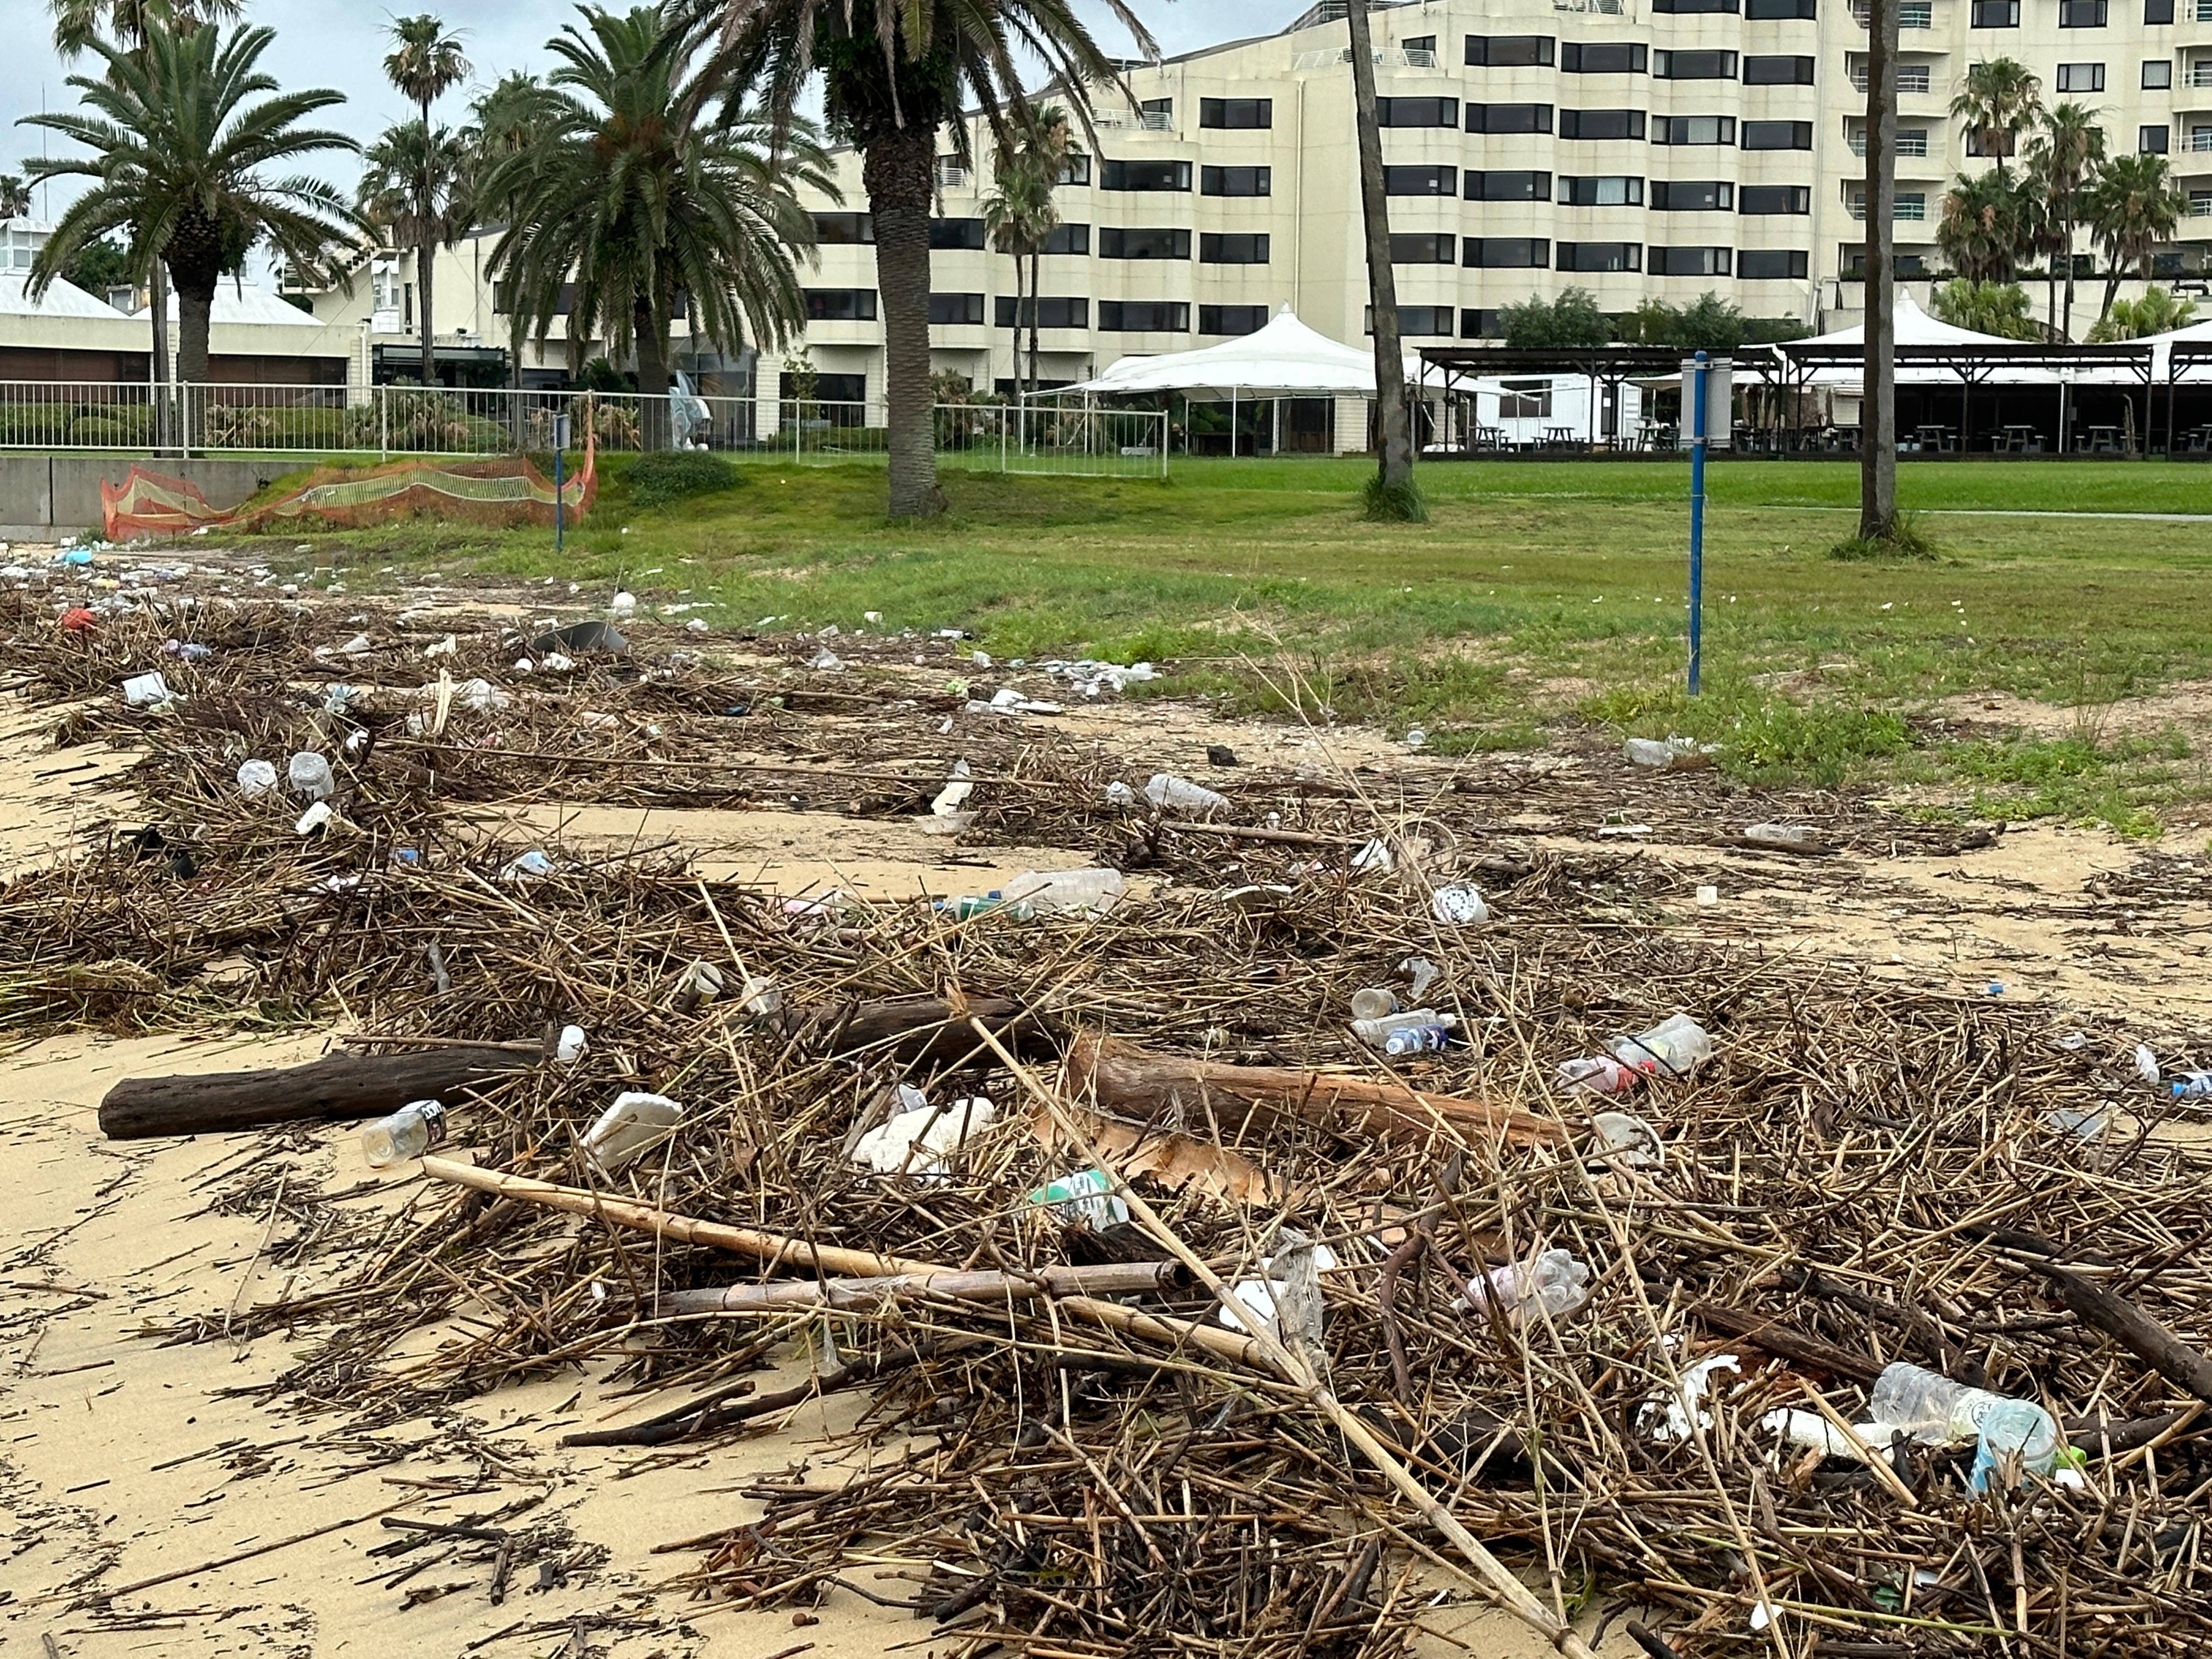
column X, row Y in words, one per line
column 560, row 447
column 1707, row 423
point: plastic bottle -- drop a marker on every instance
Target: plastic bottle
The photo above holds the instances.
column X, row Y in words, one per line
column 1167, row 790
column 2193, row 1085
column 1596, row 1074
column 1675, row 1047
column 626, row 1129
column 256, row 778
column 1086, row 1197
column 2014, row 1432
column 411, row 1131
column 1931, row 1407
column 1416, row 1040
column 1068, row 892
column 1376, row 1033
column 309, row 775
column 1790, row 837
column 968, row 906
column 1374, row 1003
column 1554, row 1283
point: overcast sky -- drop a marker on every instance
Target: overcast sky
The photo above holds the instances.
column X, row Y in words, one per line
column 340, row 43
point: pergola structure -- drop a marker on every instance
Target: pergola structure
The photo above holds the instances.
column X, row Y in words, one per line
column 2025, row 364
column 1456, row 368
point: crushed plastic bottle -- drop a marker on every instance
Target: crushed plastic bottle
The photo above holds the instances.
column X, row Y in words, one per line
column 2193, row 1085
column 1595, row 1074
column 1086, row 1198
column 759, row 997
column 1067, row 892
column 1669, row 754
column 536, row 862
column 2017, row 1438
column 2146, row 1065
column 1784, row 837
column 1675, row 1047
column 1376, row 1032
column 309, row 775
column 1374, row 1003
column 1167, row 791
column 408, row 1133
column 635, row 1124
column 1555, row 1283
column 256, row 778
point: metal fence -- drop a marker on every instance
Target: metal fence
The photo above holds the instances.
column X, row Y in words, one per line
column 386, row 422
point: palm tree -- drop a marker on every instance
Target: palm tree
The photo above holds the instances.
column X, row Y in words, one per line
column 2133, row 207
column 650, row 180
column 1392, row 494
column 1998, row 308
column 2066, row 153
column 1996, row 100
column 1983, row 227
column 1019, row 214
column 416, row 188
column 424, row 65
column 15, row 197
column 897, row 72
column 2157, row 312
column 1878, row 407
column 178, row 148
column 509, row 119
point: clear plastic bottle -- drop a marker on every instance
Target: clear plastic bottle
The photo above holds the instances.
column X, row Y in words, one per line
column 1416, row 1040
column 2018, row 1437
column 1166, row 790
column 1555, row 1283
column 309, row 775
column 1376, row 1002
column 1068, row 892
column 1596, row 1074
column 1376, row 1033
column 1931, row 1407
column 408, row 1133
column 968, row 906
column 1675, row 1047
column 2193, row 1085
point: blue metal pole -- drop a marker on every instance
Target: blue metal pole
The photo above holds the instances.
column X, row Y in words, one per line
column 1697, row 522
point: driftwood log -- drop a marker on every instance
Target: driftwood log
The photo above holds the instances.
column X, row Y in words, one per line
column 2176, row 1361
column 1136, row 1083
column 914, row 1029
column 338, row 1085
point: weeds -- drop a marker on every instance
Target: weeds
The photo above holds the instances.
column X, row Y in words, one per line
column 1905, row 540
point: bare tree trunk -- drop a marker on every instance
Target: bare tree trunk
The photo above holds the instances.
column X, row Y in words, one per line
column 426, row 254
column 897, row 169
column 1878, row 417
column 193, row 312
column 1014, row 361
column 1036, row 304
column 2069, row 277
column 157, row 286
column 1397, row 444
column 653, row 413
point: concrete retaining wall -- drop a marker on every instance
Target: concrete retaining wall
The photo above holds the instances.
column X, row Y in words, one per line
column 42, row 496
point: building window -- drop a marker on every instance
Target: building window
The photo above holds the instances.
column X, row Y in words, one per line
column 855, row 229
column 1423, row 247
column 2081, row 14
column 2158, row 11
column 955, row 233
column 1067, row 239
column 1480, row 325
column 2200, row 204
column 952, row 173
column 1116, row 243
column 1778, row 71
column 840, row 305
column 1146, row 175
column 1996, row 14
column 1143, row 316
column 1240, row 247
column 1419, row 320
column 1693, row 196
column 1602, row 190
column 1679, row 8
column 1851, row 261
column 1776, row 11
column 1419, row 181
column 1231, row 320
column 1157, row 114
column 1508, row 186
column 1600, row 256
column 1506, row 253
column 1778, row 135
column 1236, row 181
column 1601, row 123
column 1689, row 261
column 1235, row 114
column 1076, row 169
column 2153, row 141
column 1525, row 400
column 1765, row 200
column 1509, row 117
column 2080, row 77
column 1416, row 111
column 2157, row 74
column 1693, row 66
column 1771, row 264
column 1602, row 57
column 1050, row 312
column 1509, row 51
column 1695, row 130
column 826, row 389
column 956, row 310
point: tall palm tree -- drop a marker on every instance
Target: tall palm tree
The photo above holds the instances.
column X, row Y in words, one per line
column 1020, row 215
column 1983, row 227
column 417, row 188
column 424, row 65
column 1878, row 407
column 179, row 149
column 2066, row 153
column 15, row 197
column 509, row 121
column 897, row 72
column 649, row 181
column 2134, row 206
column 1997, row 101
column 1392, row 494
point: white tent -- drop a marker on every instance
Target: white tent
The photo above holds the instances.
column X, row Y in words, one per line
column 1915, row 327
column 1285, row 359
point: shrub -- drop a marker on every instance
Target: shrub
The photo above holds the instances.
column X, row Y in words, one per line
column 662, row 476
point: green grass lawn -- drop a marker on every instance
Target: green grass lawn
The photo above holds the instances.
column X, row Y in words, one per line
column 1539, row 593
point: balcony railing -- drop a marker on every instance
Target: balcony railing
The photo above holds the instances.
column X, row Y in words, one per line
column 1912, row 144
column 1921, row 14
column 1603, row 8
column 1905, row 207
column 2200, row 141
column 2200, row 75
column 1911, row 77
column 1417, row 59
column 2200, row 204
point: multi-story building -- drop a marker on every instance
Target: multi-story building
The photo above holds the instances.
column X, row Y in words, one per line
column 1636, row 149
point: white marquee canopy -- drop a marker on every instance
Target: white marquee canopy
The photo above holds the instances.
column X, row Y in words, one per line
column 1285, row 359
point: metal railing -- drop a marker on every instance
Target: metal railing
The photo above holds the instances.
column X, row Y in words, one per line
column 1911, row 77
column 2200, row 75
column 1908, row 144
column 388, row 422
column 2200, row 140
column 1921, row 14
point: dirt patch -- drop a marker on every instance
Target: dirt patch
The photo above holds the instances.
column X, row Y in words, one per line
column 2187, row 707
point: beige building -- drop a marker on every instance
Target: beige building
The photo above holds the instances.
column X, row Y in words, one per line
column 1637, row 148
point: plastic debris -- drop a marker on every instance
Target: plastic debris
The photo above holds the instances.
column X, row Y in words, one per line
column 1086, row 1198
column 919, row 1140
column 533, row 863
column 256, row 778
column 1676, row 1414
column 571, row 1045
column 1168, row 791
column 146, row 690
column 627, row 1130
column 309, row 775
column 1675, row 754
column 1459, row 905
column 1554, row 1283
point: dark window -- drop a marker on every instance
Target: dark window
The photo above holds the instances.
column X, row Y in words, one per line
column 1236, row 247
column 1419, row 181
column 1602, row 57
column 1909, row 266
column 1778, row 135
column 1996, row 14
column 2153, row 141
column 2080, row 77
column 1689, row 261
column 1693, row 196
column 844, row 230
column 1508, row 50
column 1693, row 66
column 826, row 389
column 1423, row 247
column 1234, row 181
column 1507, row 253
column 2081, row 14
column 1231, row 319
column 1235, row 114
column 1414, row 320
column 2157, row 74
column 1161, row 111
column 1421, row 43
column 1600, row 256
column 1116, row 243
column 1602, row 190
column 956, row 234
column 1143, row 316
column 1509, row 117
column 1480, row 325
column 1778, row 71
column 1050, row 312
column 1076, row 170
column 840, row 305
column 1776, row 11
column 1068, row 239
column 2158, row 11
column 1146, row 175
column 1765, row 199
column 1680, row 7
column 1601, row 123
column 955, row 309
column 1495, row 187
column 1761, row 264
column 1416, row 111
column 1695, row 128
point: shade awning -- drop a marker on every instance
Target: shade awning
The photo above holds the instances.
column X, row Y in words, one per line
column 1285, row 359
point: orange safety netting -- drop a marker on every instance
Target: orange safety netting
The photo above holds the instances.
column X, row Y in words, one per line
column 505, row 492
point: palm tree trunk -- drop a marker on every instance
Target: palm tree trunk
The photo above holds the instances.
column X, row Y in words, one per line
column 426, row 254
column 2069, row 277
column 651, row 343
column 1037, row 285
column 2113, row 281
column 1014, row 360
column 193, row 311
column 1878, row 417
column 1397, row 446
column 157, row 287
column 896, row 170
